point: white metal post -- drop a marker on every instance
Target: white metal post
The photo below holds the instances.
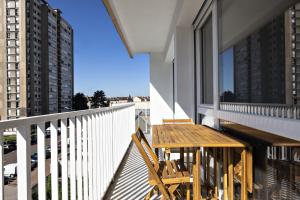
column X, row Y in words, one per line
column 23, row 163
column 64, row 159
column 103, row 143
column 1, row 167
column 54, row 159
column 79, row 157
column 94, row 168
column 85, row 158
column 72, row 135
column 41, row 161
column 90, row 157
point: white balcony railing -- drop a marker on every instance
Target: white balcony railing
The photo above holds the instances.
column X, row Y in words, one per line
column 269, row 110
column 98, row 140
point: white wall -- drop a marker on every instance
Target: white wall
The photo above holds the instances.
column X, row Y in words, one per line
column 161, row 89
column 184, row 73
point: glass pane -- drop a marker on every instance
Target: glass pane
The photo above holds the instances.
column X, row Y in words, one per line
column 207, row 68
column 262, row 66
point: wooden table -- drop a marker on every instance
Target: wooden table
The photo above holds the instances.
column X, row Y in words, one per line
column 196, row 136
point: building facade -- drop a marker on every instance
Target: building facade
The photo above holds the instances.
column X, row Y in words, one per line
column 232, row 65
column 33, row 50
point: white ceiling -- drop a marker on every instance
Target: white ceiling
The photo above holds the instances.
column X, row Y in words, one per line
column 145, row 23
column 149, row 25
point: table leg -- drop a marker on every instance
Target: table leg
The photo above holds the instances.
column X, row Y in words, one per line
column 244, row 194
column 216, row 168
column 225, row 173
column 156, row 153
column 182, row 156
column 230, row 174
column 197, row 176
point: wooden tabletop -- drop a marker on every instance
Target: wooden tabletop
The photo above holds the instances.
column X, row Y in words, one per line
column 185, row 135
column 271, row 139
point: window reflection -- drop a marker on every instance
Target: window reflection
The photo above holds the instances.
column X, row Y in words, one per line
column 262, row 66
column 227, row 81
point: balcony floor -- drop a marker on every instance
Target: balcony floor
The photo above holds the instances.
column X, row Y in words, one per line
column 131, row 180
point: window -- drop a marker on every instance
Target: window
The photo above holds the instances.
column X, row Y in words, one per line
column 207, row 58
column 258, row 62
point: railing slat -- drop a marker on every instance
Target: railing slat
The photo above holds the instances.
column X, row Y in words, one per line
column 79, row 157
column 23, row 163
column 98, row 155
column 94, row 156
column 85, row 158
column 1, row 167
column 54, row 161
column 103, row 172
column 64, row 159
column 72, row 135
column 90, row 158
column 41, row 161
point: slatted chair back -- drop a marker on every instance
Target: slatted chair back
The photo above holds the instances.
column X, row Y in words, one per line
column 177, row 121
column 143, row 146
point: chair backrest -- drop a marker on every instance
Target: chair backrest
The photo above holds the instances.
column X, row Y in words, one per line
column 177, row 121
column 139, row 139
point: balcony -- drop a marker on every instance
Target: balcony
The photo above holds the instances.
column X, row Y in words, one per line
column 267, row 110
column 87, row 147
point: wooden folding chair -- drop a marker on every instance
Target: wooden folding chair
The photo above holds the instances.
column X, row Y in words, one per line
column 166, row 176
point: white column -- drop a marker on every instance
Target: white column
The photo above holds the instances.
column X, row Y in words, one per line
column 72, row 135
column 215, row 61
column 54, row 163
column 64, row 159
column 79, row 157
column 23, row 162
column 41, row 161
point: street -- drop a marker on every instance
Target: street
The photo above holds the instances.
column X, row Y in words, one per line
column 10, row 190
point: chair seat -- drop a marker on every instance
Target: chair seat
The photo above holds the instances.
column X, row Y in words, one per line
column 171, row 172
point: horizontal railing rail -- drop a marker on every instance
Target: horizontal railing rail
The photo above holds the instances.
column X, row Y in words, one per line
column 269, row 110
column 92, row 146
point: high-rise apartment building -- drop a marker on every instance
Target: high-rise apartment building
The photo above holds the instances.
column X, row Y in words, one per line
column 36, row 62
column 295, row 33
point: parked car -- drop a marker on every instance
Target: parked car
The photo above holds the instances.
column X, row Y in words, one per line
column 33, row 164
column 33, row 139
column 48, row 153
column 10, row 170
column 48, row 132
column 6, row 180
column 34, row 157
column 9, row 146
column 34, row 160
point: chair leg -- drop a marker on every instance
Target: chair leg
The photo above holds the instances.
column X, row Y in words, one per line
column 188, row 191
column 172, row 189
column 150, row 194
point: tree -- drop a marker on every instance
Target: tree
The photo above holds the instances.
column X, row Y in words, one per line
column 99, row 99
column 130, row 99
column 80, row 102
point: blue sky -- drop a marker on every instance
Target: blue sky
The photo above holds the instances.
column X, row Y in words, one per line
column 101, row 60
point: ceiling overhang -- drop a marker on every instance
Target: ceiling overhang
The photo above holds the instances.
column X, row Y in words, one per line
column 148, row 26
